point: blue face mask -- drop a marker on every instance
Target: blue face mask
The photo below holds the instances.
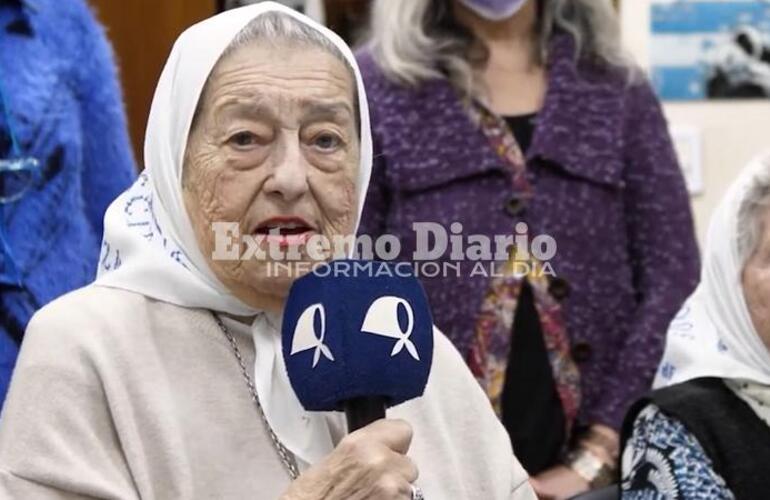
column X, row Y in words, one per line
column 494, row 10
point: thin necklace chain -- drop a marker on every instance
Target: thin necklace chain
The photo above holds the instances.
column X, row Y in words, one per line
column 287, row 457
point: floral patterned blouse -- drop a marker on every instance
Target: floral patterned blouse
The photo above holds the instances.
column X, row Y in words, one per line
column 664, row 461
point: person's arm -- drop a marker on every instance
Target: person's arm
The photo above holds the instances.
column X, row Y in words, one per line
column 371, row 462
column 108, row 159
column 662, row 248
column 665, row 263
column 57, row 438
column 663, row 458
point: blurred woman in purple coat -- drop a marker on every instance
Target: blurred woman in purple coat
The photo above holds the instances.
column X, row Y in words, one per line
column 521, row 122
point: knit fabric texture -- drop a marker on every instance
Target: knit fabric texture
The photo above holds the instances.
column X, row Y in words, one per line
column 61, row 84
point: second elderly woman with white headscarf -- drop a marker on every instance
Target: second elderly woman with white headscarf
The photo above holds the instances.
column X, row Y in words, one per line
column 132, row 387
column 705, row 431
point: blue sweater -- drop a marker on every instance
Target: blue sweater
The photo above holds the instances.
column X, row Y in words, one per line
column 60, row 81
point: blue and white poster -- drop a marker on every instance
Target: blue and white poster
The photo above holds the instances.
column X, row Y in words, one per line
column 710, row 49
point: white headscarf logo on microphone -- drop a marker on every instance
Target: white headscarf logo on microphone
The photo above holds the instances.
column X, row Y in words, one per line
column 305, row 336
column 382, row 319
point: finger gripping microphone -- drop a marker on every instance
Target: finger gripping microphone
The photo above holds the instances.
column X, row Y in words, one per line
column 357, row 337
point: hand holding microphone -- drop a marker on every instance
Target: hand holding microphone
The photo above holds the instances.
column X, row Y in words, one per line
column 370, row 463
column 358, row 337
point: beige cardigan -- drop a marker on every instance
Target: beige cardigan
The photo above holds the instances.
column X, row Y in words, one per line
column 116, row 396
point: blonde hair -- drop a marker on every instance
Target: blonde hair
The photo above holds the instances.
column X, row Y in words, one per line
column 417, row 40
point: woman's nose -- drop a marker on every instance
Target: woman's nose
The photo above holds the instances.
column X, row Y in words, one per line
column 290, row 170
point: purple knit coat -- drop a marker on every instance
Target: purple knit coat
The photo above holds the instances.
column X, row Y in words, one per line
column 607, row 187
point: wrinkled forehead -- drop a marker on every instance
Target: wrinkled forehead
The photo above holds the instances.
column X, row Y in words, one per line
column 280, row 62
column 181, row 85
column 269, row 77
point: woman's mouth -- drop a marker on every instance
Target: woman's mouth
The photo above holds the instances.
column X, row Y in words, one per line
column 285, row 231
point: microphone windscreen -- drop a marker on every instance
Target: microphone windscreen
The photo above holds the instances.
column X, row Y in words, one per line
column 356, row 329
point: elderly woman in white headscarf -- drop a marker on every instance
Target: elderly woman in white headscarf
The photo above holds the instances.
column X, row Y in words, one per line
column 141, row 385
column 705, row 431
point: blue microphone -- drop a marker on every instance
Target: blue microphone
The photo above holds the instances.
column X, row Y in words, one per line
column 357, row 337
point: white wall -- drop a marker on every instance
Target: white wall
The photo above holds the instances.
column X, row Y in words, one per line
column 732, row 132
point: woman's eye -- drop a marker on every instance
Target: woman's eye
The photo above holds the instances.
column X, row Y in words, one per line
column 327, row 142
column 243, row 139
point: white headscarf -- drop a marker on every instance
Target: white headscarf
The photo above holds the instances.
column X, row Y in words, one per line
column 149, row 246
column 713, row 334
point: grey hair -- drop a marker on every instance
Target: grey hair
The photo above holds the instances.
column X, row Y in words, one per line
column 278, row 28
column 417, row 40
column 752, row 212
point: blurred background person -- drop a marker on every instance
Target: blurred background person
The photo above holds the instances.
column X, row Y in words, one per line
column 64, row 155
column 494, row 113
column 706, row 434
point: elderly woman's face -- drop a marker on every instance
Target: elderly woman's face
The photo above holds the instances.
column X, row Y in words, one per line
column 275, row 149
column 756, row 283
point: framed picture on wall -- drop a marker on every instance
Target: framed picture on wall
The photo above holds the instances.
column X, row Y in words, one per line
column 710, row 49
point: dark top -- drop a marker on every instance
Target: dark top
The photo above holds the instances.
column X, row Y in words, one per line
column 532, row 411
column 604, row 171
column 735, row 439
column 537, row 428
column 523, row 128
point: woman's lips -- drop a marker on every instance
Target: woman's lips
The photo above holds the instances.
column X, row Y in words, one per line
column 288, row 240
column 285, row 231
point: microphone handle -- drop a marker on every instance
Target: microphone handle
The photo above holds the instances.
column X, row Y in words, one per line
column 362, row 411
